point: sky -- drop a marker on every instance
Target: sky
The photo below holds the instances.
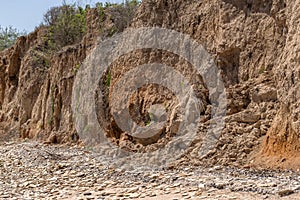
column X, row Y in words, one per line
column 25, row 15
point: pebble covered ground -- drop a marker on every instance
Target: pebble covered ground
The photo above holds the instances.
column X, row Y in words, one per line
column 30, row 170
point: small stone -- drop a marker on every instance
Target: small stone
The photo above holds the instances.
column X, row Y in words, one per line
column 197, row 193
column 283, row 193
column 142, row 195
column 177, row 184
column 177, row 191
column 80, row 175
column 185, row 194
column 132, row 190
column 220, row 186
column 297, row 187
column 134, row 195
column 87, row 193
column 152, row 195
column 201, row 186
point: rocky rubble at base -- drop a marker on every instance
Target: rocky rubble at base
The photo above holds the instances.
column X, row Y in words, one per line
column 37, row 171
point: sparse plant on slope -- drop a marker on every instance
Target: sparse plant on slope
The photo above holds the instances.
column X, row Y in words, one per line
column 8, row 36
column 121, row 14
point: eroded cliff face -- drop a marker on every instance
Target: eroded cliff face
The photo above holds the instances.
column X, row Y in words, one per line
column 36, row 87
column 282, row 144
column 250, row 41
column 254, row 43
column 32, row 87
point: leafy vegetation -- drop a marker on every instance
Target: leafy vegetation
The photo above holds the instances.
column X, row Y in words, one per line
column 67, row 25
column 40, row 58
column 76, row 68
column 262, row 70
column 8, row 36
column 121, row 15
column 108, row 80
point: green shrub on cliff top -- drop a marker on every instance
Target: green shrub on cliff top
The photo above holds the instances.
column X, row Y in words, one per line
column 8, row 36
column 67, row 25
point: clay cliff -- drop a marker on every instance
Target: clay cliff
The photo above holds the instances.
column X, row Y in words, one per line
column 255, row 44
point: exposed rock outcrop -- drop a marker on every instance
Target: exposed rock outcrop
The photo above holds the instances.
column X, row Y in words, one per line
column 36, row 87
column 282, row 144
column 250, row 41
